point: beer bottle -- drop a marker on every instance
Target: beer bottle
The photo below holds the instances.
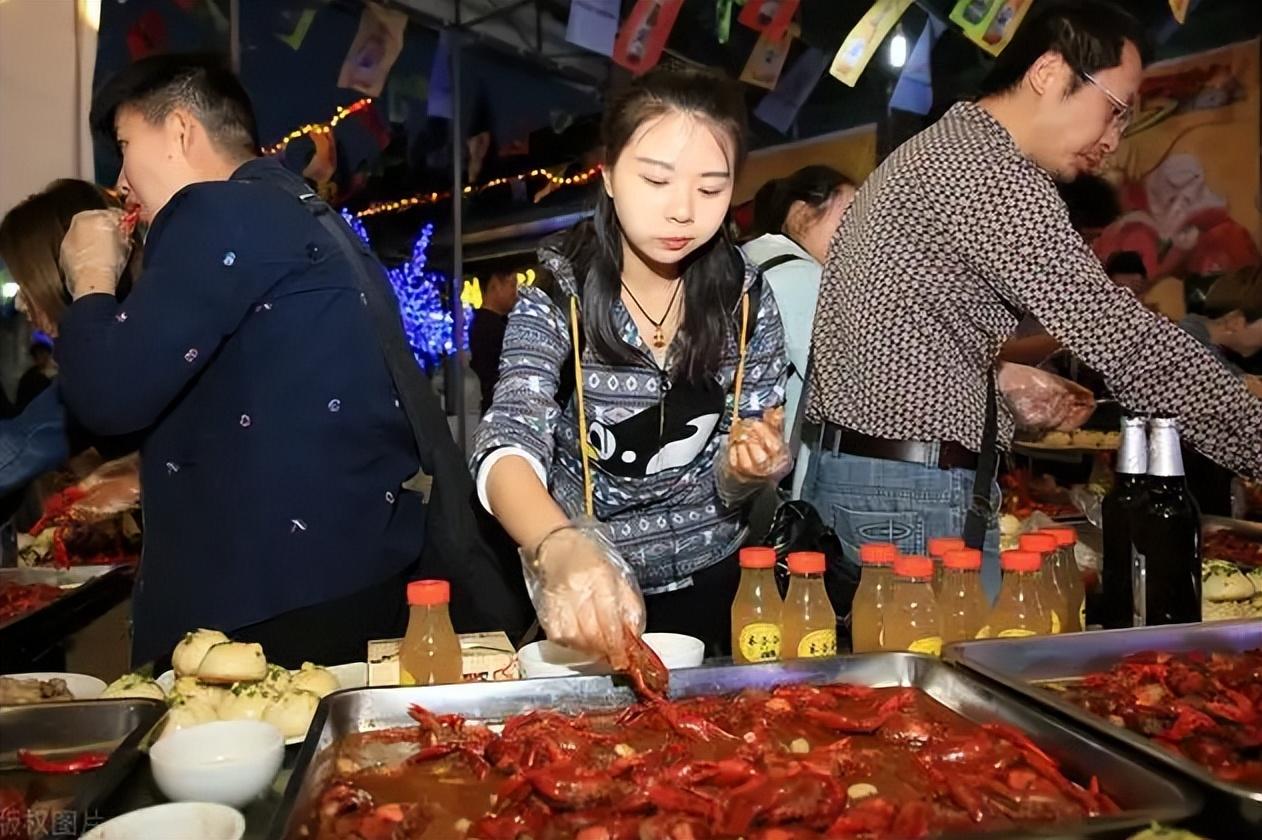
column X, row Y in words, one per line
column 1113, row 605
column 1166, row 569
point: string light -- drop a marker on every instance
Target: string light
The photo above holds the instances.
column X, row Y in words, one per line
column 400, row 204
column 426, row 322
column 319, row 128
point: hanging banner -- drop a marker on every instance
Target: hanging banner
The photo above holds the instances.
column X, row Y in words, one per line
column 767, row 60
column 851, row 152
column 376, row 46
column 990, row 24
column 1180, row 10
column 438, row 100
column 779, row 108
column 723, row 20
column 770, row 17
column 301, row 27
column 643, row 35
column 914, row 90
column 862, row 42
column 1187, row 172
column 323, row 161
column 593, row 25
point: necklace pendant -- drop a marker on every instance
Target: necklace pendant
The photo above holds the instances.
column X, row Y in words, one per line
column 659, row 340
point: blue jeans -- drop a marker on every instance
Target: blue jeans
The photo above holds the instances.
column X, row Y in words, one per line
column 873, row 500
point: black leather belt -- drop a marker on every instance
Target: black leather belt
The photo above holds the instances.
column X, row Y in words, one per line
column 838, row 439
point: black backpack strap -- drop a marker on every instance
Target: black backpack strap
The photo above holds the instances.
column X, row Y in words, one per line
column 463, row 543
column 418, row 400
column 777, row 261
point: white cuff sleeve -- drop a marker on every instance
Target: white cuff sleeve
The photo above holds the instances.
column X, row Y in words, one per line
column 492, row 459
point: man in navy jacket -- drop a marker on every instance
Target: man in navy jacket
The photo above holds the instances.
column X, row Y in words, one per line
column 275, row 448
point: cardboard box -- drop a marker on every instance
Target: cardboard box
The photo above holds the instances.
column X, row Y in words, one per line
column 486, row 657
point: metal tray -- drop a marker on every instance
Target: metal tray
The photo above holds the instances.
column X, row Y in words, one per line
column 1143, row 794
column 113, row 726
column 1019, row 664
column 89, row 592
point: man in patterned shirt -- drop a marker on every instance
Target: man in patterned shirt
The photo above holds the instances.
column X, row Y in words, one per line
column 955, row 237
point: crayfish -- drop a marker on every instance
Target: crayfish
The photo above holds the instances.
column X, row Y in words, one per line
column 833, row 761
column 1206, row 707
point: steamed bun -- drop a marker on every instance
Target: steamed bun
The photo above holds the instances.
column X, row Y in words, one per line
column 292, row 712
column 189, row 688
column 185, row 713
column 246, row 702
column 319, row 681
column 134, row 685
column 232, row 662
column 188, row 654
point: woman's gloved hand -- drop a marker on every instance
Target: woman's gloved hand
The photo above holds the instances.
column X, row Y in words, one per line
column 755, row 455
column 94, row 252
column 584, row 592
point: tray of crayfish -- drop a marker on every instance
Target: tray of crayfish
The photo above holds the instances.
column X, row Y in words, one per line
column 1188, row 695
column 876, row 746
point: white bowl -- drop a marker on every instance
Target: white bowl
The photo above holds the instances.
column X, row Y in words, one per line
column 548, row 659
column 228, row 761
column 82, row 686
column 174, row 821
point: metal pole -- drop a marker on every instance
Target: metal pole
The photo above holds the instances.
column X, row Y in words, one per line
column 455, row 384
column 234, row 34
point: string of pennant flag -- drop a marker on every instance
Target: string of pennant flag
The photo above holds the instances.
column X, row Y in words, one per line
column 638, row 43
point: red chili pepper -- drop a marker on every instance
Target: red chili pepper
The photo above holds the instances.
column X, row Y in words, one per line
column 74, row 764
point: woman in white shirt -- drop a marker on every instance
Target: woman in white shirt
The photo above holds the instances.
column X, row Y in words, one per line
column 797, row 215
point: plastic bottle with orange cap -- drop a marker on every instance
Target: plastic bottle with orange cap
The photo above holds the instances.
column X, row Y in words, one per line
column 962, row 602
column 912, row 621
column 1069, row 576
column 756, row 608
column 809, row 624
column 430, row 652
column 1052, row 596
column 938, row 547
column 1018, row 610
column 876, row 581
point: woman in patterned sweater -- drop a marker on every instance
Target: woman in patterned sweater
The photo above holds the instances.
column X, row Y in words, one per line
column 662, row 306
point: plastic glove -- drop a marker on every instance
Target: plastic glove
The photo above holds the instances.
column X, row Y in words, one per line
column 94, row 252
column 1042, row 401
column 584, row 592
column 754, row 455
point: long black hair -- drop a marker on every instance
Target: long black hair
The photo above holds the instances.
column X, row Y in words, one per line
column 713, row 275
column 816, row 185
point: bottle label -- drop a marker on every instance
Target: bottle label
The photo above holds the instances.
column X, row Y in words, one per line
column 818, row 643
column 984, row 633
column 1082, row 616
column 1055, row 622
column 1015, row 633
column 760, row 642
column 405, row 678
column 931, row 645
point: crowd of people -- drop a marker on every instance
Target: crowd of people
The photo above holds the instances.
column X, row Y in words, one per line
column 654, row 380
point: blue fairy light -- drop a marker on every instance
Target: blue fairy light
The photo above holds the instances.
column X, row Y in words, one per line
column 427, row 323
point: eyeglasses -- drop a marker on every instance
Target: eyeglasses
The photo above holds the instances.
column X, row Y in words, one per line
column 1122, row 112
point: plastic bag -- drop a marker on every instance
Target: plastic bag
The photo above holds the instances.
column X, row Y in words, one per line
column 584, row 592
column 111, row 488
column 1042, row 401
column 754, row 455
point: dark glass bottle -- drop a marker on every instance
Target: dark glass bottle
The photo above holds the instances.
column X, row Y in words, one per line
column 1167, row 564
column 1113, row 605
